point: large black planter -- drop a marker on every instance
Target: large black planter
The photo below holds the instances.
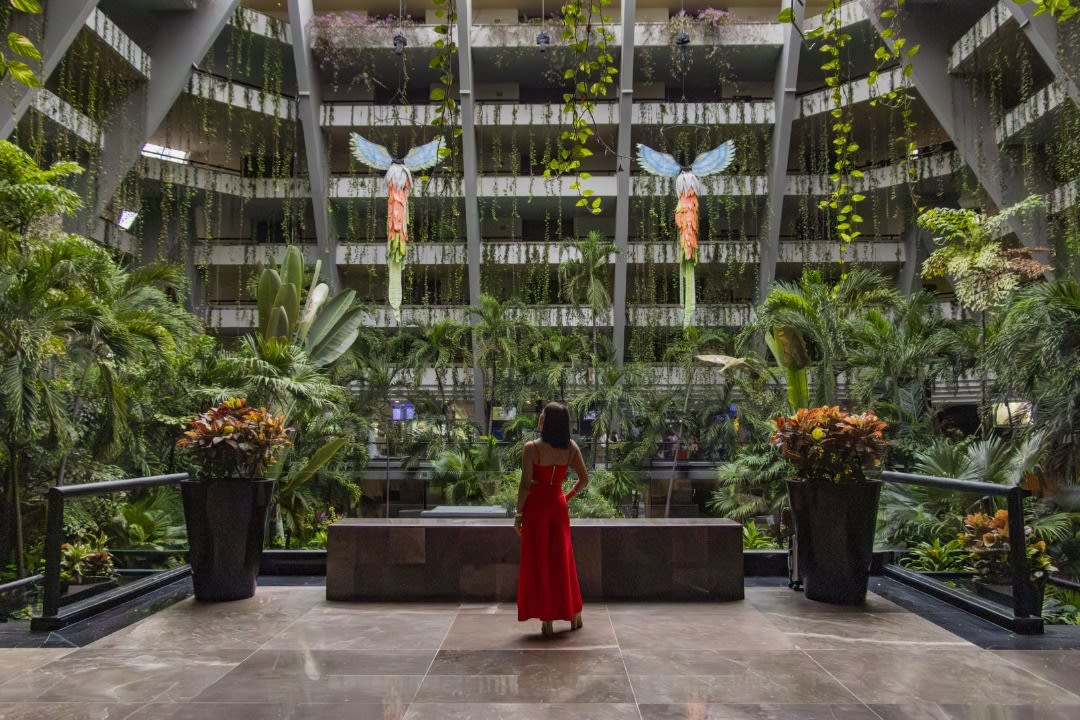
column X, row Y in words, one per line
column 226, row 522
column 834, row 530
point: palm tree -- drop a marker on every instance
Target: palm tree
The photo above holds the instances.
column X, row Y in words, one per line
column 497, row 334
column 558, row 354
column 821, row 313
column 437, row 346
column 618, row 396
column 584, row 279
column 1035, row 354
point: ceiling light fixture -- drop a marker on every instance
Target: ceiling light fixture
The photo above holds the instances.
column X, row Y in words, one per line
column 161, row 152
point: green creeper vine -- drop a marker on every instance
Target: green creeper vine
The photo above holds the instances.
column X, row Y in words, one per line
column 1061, row 9
column 19, row 46
column 591, row 71
column 446, row 110
column 898, row 98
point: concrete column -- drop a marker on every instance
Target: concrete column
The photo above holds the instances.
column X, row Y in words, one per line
column 786, row 103
column 624, row 151
column 909, row 270
column 63, row 20
column 471, row 170
column 1042, row 31
column 309, row 112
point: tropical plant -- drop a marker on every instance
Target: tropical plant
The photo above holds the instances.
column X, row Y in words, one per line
column 497, row 334
column 584, row 278
column 19, row 47
column 819, row 315
column 1035, row 355
column 81, row 561
column 442, row 347
column 754, row 539
column 826, row 444
column 972, row 255
column 752, row 484
column 617, row 398
column 326, row 328
column 936, row 556
column 236, row 441
column 987, row 539
column 154, row 521
column 1061, row 606
column 470, row 473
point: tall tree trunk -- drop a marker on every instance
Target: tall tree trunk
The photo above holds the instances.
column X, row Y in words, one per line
column 491, row 401
column 16, row 507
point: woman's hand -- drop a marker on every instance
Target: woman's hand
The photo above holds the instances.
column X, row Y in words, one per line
column 518, row 524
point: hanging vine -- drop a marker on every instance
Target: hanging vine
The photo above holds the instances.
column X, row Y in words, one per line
column 591, row 70
column 446, row 107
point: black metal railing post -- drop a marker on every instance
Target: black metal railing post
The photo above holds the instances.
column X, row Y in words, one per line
column 1024, row 599
column 54, row 538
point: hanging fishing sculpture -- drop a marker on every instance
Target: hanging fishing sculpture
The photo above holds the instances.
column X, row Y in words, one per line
column 688, row 188
column 398, row 182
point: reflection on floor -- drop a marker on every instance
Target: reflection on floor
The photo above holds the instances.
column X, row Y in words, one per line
column 287, row 654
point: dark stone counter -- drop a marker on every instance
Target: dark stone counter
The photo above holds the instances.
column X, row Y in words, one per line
column 476, row 560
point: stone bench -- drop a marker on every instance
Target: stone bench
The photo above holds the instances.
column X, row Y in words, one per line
column 476, row 560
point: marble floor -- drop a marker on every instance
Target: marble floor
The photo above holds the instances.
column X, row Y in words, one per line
column 287, row 654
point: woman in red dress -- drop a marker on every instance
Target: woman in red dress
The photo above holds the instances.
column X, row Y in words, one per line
column 548, row 587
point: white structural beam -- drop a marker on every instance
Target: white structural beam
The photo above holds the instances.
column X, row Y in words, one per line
column 1042, row 32
column 470, row 166
column 624, row 152
column 111, row 34
column 63, row 20
column 965, row 115
column 176, row 47
column 787, row 105
column 309, row 109
column 65, row 115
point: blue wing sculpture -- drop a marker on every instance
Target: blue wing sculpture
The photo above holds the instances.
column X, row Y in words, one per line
column 656, row 162
column 714, row 161
column 423, row 156
column 372, row 155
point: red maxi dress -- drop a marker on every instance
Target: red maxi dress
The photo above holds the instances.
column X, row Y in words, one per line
column 547, row 580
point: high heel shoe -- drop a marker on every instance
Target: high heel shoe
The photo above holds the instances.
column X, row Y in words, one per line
column 576, row 623
column 547, row 629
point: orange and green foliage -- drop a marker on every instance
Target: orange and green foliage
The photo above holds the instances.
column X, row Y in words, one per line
column 827, row 444
column 234, row 440
column 987, row 539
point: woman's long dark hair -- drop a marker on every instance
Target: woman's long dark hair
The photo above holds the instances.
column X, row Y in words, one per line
column 556, row 432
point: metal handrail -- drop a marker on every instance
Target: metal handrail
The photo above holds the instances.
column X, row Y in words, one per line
column 1025, row 599
column 54, row 525
column 20, row 583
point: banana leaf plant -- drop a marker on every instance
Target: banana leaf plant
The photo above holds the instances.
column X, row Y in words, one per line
column 788, row 347
column 326, row 327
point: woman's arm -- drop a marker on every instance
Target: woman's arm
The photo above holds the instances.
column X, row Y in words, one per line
column 527, row 453
column 578, row 463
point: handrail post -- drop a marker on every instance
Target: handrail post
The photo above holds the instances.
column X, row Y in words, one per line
column 1022, row 587
column 54, row 538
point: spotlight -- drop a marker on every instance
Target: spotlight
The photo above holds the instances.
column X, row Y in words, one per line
column 683, row 38
column 399, row 44
column 543, row 40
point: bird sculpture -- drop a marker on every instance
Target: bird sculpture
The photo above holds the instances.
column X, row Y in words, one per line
column 688, row 188
column 398, row 182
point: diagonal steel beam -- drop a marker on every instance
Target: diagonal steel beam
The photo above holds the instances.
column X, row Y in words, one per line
column 1042, row 31
column 786, row 105
column 965, row 116
column 177, row 44
column 624, row 159
column 63, row 21
column 470, row 169
column 309, row 111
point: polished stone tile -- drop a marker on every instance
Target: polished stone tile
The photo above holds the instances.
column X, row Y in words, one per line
column 528, row 662
column 977, row 712
column 1061, row 667
column 785, row 600
column 123, row 676
column 862, row 629
column 242, row 624
column 663, row 676
column 502, row 631
column 937, row 675
column 716, row 711
column 550, row 686
column 732, row 626
column 273, row 676
column 16, row 661
column 512, row 711
column 350, row 629
column 268, row 711
column 66, row 711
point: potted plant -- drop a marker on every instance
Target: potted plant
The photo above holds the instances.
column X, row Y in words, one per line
column 987, row 539
column 833, row 501
column 226, row 506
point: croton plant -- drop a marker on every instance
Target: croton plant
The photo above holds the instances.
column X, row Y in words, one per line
column 827, row 444
column 234, row 440
column 986, row 537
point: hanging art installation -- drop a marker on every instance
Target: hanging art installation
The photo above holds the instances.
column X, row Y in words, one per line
column 398, row 183
column 688, row 188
